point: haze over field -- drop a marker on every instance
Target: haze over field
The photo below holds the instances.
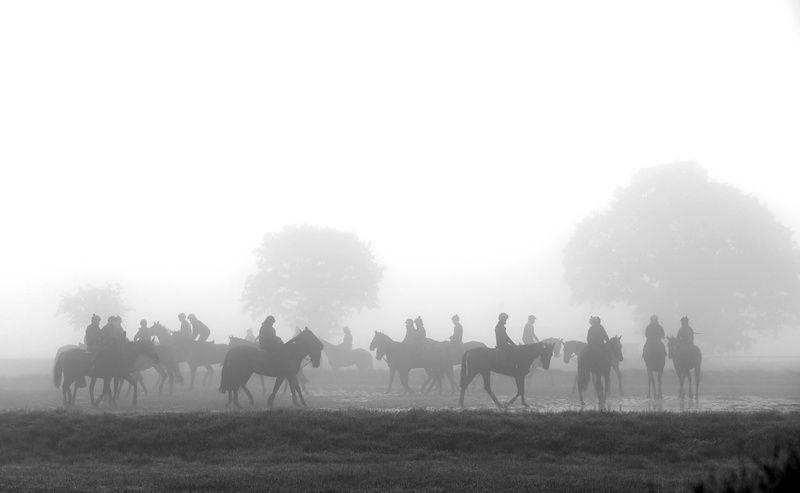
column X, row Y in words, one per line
column 463, row 141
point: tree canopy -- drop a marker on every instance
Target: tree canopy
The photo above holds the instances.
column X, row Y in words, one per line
column 80, row 306
column 313, row 276
column 675, row 243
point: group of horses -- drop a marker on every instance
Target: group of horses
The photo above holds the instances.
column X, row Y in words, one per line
column 241, row 359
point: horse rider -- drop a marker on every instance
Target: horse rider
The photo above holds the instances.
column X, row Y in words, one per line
column 528, row 336
column 112, row 331
column 653, row 334
column 268, row 340
column 420, row 334
column 596, row 335
column 250, row 337
column 185, row 332
column 93, row 335
column 686, row 332
column 458, row 330
column 347, row 340
column 143, row 333
column 501, row 336
column 200, row 331
column 411, row 332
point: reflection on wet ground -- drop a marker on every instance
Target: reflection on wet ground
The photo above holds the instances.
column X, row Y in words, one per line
column 721, row 391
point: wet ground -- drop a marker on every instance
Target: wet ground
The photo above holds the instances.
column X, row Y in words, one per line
column 729, row 390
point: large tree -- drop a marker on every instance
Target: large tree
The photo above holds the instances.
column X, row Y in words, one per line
column 675, row 243
column 80, row 306
column 313, row 276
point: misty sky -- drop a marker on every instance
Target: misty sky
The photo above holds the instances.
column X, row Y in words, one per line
column 152, row 144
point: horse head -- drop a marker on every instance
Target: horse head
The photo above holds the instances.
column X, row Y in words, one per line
column 615, row 346
column 307, row 338
column 378, row 344
column 546, row 355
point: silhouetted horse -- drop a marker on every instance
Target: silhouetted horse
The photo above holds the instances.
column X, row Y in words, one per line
column 655, row 357
column 340, row 357
column 456, row 352
column 402, row 358
column 194, row 354
column 74, row 364
column 597, row 361
column 515, row 363
column 557, row 343
column 284, row 364
column 575, row 348
column 686, row 358
column 118, row 363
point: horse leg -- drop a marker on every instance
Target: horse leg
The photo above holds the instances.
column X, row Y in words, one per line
column 91, row 391
column 135, row 389
column 209, row 375
column 465, row 381
column 263, row 385
column 689, row 378
column 600, row 391
column 660, row 395
column 580, row 390
column 65, row 391
column 249, row 395
column 521, row 390
column 192, row 371
column 697, row 382
column 487, row 385
column 391, row 379
column 619, row 380
column 275, row 389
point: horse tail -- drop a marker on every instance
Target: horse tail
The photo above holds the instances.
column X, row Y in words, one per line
column 464, row 363
column 58, row 370
column 225, row 375
column 583, row 374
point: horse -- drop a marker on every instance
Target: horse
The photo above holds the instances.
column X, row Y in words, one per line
column 301, row 377
column 598, row 362
column 575, row 348
column 557, row 343
column 685, row 358
column 485, row 360
column 340, row 357
column 402, row 358
column 118, row 362
column 193, row 353
column 74, row 365
column 242, row 361
column 655, row 356
column 456, row 351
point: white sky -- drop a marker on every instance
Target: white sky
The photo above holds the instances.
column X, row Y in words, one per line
column 154, row 143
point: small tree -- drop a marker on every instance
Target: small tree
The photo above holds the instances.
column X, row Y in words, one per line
column 675, row 243
column 313, row 276
column 104, row 301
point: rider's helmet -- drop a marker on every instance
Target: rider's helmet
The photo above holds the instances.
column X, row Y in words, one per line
column 654, row 318
column 409, row 322
column 181, row 316
column 143, row 323
column 95, row 317
column 455, row 318
column 685, row 320
column 418, row 321
column 503, row 317
column 192, row 317
column 346, row 329
column 270, row 320
column 594, row 320
column 531, row 318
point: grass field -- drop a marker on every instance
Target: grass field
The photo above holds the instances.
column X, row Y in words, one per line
column 355, row 437
column 379, row 451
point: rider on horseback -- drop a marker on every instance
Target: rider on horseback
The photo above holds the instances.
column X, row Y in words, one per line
column 143, row 333
column 528, row 336
column 596, row 336
column 112, row 332
column 411, row 332
column 347, row 340
column 200, row 331
column 653, row 335
column 420, row 334
column 93, row 335
column 268, row 340
column 686, row 333
column 501, row 336
column 458, row 330
column 185, row 331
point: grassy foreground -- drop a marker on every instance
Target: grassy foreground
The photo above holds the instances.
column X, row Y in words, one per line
column 379, row 451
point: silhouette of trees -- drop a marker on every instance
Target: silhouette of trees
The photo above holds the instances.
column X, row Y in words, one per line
column 675, row 243
column 104, row 301
column 313, row 276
